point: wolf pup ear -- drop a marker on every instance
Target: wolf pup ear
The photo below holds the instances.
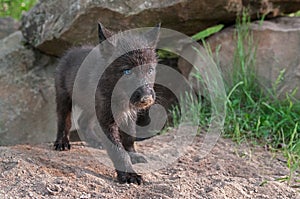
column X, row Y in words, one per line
column 103, row 33
column 153, row 35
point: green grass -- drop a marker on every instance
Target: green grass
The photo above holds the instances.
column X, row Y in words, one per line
column 253, row 114
column 295, row 14
column 166, row 53
column 207, row 32
column 15, row 8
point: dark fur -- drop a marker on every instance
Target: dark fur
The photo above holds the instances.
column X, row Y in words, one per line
column 119, row 145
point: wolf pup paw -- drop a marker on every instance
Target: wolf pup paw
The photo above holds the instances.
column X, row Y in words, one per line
column 61, row 145
column 125, row 177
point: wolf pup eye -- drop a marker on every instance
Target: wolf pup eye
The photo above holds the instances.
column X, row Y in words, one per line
column 127, row 72
column 150, row 71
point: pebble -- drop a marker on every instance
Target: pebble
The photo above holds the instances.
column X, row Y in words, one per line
column 85, row 196
column 53, row 189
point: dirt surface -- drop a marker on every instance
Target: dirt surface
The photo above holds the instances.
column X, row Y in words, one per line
column 229, row 171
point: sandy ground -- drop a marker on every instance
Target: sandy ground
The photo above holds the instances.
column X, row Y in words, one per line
column 229, row 171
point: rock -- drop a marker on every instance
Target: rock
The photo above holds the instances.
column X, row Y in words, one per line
column 277, row 50
column 7, row 26
column 27, row 93
column 54, row 26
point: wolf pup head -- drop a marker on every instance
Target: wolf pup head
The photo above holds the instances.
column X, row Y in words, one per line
column 136, row 68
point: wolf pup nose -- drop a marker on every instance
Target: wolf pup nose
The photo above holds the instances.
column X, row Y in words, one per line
column 143, row 97
column 138, row 66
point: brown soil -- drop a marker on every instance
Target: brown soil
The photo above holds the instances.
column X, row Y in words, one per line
column 229, row 171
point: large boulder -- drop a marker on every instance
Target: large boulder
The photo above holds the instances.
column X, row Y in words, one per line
column 276, row 47
column 27, row 94
column 53, row 26
column 7, row 26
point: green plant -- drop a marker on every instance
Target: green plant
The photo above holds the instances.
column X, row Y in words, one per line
column 207, row 32
column 255, row 114
column 192, row 110
column 295, row 14
column 166, row 54
column 15, row 8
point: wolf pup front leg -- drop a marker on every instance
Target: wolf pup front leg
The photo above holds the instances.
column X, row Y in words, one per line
column 138, row 68
column 63, row 110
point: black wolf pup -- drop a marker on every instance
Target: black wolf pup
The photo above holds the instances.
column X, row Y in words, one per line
column 138, row 66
